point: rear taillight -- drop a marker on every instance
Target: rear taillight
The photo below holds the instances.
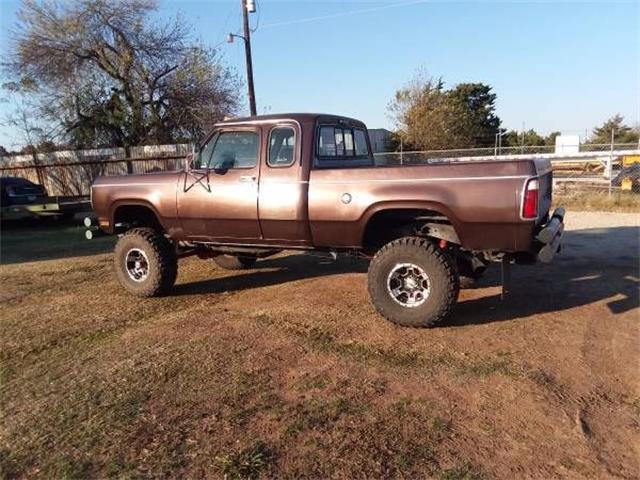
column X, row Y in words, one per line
column 530, row 201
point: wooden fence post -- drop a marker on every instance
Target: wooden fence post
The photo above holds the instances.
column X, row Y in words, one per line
column 127, row 156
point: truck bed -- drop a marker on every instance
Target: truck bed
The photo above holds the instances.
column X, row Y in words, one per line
column 481, row 199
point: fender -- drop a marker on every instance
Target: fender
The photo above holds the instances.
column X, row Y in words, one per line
column 123, row 202
column 408, row 205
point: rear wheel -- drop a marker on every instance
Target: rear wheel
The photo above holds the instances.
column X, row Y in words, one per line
column 413, row 283
column 145, row 262
column 235, row 262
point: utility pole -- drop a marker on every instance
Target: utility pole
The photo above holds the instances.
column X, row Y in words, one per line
column 247, row 52
column 247, row 6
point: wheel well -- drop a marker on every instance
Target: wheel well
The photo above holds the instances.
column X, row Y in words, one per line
column 387, row 225
column 126, row 217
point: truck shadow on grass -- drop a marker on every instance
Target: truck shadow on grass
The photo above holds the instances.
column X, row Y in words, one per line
column 595, row 265
column 274, row 271
column 32, row 240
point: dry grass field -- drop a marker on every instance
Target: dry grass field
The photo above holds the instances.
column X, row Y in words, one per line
column 598, row 200
column 285, row 370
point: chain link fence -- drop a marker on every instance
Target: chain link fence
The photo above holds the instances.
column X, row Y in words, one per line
column 426, row 156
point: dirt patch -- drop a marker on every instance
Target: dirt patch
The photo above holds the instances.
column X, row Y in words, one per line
column 285, row 370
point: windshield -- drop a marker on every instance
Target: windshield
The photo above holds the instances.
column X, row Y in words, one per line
column 203, row 156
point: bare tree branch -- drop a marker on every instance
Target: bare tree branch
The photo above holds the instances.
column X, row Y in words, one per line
column 107, row 75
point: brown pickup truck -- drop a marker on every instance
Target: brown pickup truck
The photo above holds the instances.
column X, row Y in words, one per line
column 309, row 182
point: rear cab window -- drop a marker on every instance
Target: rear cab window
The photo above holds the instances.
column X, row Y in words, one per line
column 341, row 146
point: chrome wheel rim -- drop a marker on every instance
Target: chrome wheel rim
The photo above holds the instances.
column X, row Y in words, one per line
column 137, row 265
column 408, row 284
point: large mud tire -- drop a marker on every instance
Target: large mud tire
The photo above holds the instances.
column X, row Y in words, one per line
column 434, row 264
column 157, row 256
column 235, row 262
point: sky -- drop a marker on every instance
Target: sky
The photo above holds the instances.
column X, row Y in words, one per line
column 565, row 66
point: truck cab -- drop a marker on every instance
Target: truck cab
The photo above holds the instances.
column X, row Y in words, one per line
column 250, row 181
column 249, row 184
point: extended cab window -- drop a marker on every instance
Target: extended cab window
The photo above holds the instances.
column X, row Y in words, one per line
column 230, row 150
column 340, row 146
column 282, row 143
column 327, row 142
column 361, row 142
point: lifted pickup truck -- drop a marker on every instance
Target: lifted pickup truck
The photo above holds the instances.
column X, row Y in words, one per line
column 308, row 182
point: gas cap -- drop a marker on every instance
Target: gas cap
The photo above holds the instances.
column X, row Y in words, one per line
column 346, row 198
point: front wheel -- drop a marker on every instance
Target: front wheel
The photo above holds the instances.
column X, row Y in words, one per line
column 145, row 262
column 413, row 283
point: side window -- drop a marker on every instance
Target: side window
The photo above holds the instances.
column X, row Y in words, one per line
column 281, row 147
column 327, row 142
column 348, row 143
column 361, row 142
column 235, row 150
column 339, row 142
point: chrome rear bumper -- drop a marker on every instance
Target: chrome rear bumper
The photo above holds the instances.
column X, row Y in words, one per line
column 550, row 236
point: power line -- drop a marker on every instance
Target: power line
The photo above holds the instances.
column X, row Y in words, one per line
column 323, row 17
column 258, row 12
column 341, row 14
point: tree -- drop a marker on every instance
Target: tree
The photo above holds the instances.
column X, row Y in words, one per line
column 512, row 138
column 30, row 133
column 3, row 151
column 28, row 150
column 475, row 120
column 109, row 75
column 529, row 138
column 622, row 133
column 429, row 117
column 551, row 138
column 47, row 146
column 419, row 111
column 28, row 128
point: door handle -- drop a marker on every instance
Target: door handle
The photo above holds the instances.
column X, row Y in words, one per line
column 248, row 178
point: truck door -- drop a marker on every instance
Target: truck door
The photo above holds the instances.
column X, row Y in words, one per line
column 218, row 200
column 282, row 205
